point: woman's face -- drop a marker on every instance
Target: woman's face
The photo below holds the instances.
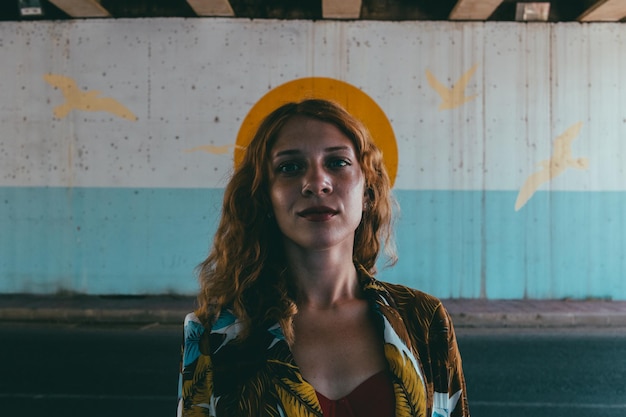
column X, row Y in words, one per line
column 316, row 185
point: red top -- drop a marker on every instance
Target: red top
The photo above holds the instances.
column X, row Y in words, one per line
column 373, row 398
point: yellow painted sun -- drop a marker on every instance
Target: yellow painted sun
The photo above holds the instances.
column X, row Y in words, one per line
column 355, row 101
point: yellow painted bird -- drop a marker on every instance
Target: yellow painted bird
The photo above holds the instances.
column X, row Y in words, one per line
column 561, row 160
column 76, row 99
column 452, row 97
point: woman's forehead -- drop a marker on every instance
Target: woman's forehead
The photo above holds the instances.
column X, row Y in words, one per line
column 310, row 133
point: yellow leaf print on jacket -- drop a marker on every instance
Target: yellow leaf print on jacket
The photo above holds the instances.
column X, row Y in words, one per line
column 408, row 387
column 297, row 396
column 200, row 387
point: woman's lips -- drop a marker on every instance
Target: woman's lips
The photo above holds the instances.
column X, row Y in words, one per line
column 317, row 214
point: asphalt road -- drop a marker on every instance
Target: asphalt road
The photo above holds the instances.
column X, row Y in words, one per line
column 89, row 372
column 551, row 373
column 67, row 371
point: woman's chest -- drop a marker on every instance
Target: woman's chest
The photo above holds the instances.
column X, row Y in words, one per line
column 336, row 352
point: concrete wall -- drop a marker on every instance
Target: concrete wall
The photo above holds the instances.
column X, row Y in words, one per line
column 511, row 182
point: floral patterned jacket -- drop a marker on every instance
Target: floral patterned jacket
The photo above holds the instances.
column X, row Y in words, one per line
column 420, row 348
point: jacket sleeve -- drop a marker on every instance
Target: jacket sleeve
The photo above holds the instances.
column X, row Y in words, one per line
column 449, row 390
column 195, row 381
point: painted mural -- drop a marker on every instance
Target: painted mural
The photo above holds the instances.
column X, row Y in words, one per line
column 76, row 99
column 560, row 160
column 452, row 96
column 504, row 142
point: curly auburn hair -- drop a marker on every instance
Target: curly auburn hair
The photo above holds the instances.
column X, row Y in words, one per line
column 245, row 267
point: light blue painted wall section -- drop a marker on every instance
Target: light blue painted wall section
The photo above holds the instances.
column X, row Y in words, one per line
column 104, row 240
column 471, row 244
column 450, row 243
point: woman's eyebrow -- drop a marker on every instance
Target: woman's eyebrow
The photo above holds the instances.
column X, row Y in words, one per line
column 291, row 152
column 337, row 148
column 287, row 152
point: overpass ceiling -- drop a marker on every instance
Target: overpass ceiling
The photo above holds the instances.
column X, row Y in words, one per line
column 386, row 10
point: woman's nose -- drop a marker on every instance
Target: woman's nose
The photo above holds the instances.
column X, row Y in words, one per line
column 316, row 182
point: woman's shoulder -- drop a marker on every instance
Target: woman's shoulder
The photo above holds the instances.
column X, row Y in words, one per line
column 192, row 317
column 408, row 294
column 410, row 301
column 224, row 320
column 193, row 327
column 399, row 294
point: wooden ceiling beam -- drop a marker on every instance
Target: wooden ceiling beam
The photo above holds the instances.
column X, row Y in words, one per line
column 474, row 9
column 212, row 8
column 81, row 8
column 604, row 11
column 341, row 9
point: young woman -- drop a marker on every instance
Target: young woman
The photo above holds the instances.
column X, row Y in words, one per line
column 291, row 321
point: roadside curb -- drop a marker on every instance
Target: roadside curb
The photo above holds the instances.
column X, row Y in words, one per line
column 536, row 313
column 102, row 316
column 139, row 310
column 546, row 320
column 170, row 317
column 171, row 310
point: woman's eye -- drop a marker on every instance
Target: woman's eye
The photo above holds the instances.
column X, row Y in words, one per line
column 288, row 167
column 338, row 163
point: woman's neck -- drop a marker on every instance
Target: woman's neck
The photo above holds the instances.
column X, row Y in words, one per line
column 323, row 279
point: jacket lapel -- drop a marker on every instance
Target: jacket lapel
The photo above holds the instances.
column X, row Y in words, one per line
column 408, row 378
